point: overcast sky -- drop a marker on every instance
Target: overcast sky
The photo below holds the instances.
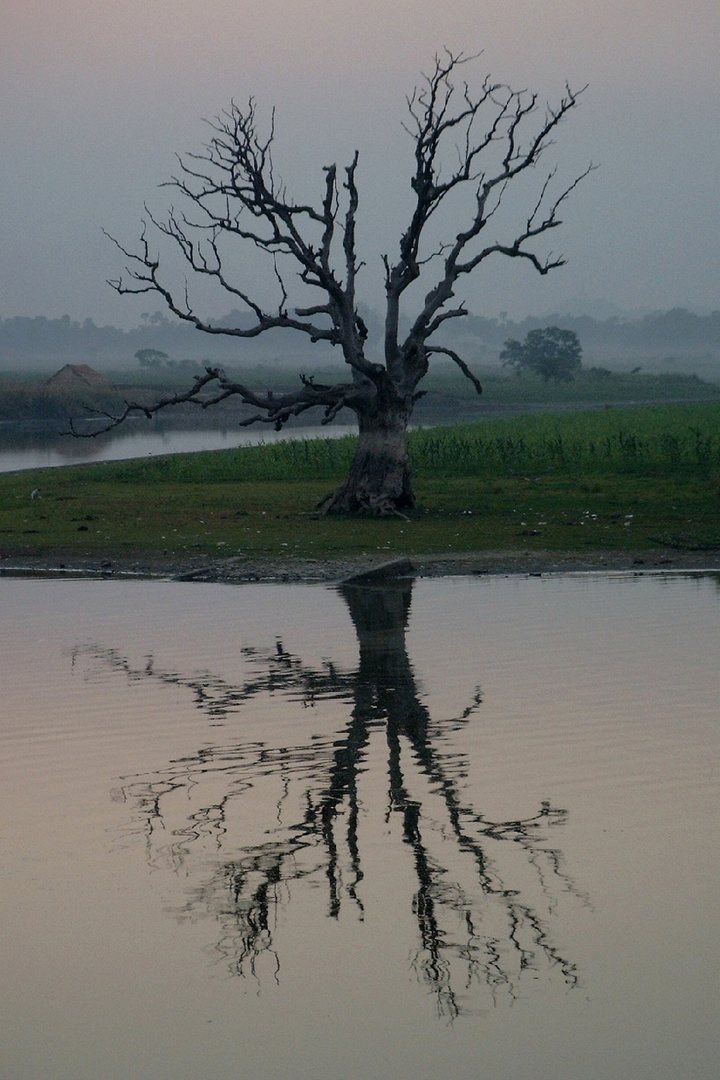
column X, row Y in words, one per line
column 98, row 95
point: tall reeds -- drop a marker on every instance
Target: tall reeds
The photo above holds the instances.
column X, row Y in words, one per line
column 655, row 440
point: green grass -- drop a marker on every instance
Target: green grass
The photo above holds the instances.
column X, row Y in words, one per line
column 594, row 480
column 589, row 385
column 654, row 440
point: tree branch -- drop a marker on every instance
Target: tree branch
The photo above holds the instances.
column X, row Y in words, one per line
column 431, row 109
column 460, row 363
column 273, row 408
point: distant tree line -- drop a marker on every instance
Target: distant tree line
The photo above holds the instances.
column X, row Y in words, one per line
column 46, row 344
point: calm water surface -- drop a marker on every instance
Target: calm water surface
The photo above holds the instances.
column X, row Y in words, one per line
column 461, row 828
column 36, row 450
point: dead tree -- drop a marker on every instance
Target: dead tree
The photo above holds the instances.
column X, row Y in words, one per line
column 469, row 147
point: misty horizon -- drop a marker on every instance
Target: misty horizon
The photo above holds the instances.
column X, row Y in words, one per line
column 676, row 340
column 98, row 100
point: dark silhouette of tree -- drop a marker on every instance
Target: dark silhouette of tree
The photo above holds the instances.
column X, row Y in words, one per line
column 151, row 358
column 469, row 147
column 551, row 353
column 477, row 931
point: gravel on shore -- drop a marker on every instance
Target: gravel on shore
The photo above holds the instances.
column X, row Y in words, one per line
column 334, row 571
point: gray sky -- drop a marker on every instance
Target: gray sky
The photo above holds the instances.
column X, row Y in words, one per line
column 98, row 97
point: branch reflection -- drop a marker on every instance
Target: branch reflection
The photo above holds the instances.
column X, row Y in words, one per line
column 485, row 893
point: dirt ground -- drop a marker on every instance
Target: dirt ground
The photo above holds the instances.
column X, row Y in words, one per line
column 238, row 570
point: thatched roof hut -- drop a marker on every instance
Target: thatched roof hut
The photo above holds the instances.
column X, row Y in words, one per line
column 75, row 377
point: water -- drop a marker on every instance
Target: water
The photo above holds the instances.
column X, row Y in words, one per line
column 461, row 827
column 38, row 450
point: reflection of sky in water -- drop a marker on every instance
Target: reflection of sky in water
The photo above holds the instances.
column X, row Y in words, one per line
column 67, row 450
column 380, row 828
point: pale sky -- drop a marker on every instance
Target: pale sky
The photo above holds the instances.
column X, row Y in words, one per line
column 98, row 95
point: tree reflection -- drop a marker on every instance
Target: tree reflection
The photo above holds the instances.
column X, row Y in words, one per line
column 485, row 892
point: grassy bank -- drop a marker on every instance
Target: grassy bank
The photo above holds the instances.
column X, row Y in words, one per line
column 591, row 384
column 600, row 480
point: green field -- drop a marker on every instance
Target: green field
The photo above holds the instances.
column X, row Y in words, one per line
column 604, row 479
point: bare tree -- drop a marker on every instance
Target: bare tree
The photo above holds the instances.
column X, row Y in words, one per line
column 466, row 143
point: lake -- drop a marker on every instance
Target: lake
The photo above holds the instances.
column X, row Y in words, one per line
column 461, row 827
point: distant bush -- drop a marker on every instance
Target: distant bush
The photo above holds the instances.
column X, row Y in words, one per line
column 33, row 402
column 549, row 352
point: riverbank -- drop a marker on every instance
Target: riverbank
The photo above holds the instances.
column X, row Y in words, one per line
column 563, row 493
column 238, row 570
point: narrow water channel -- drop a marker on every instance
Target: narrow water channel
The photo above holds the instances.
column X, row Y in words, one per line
column 43, row 448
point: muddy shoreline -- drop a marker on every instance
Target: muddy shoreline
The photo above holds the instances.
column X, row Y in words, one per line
column 334, row 571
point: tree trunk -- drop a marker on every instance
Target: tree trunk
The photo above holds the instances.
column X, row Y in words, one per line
column 379, row 476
